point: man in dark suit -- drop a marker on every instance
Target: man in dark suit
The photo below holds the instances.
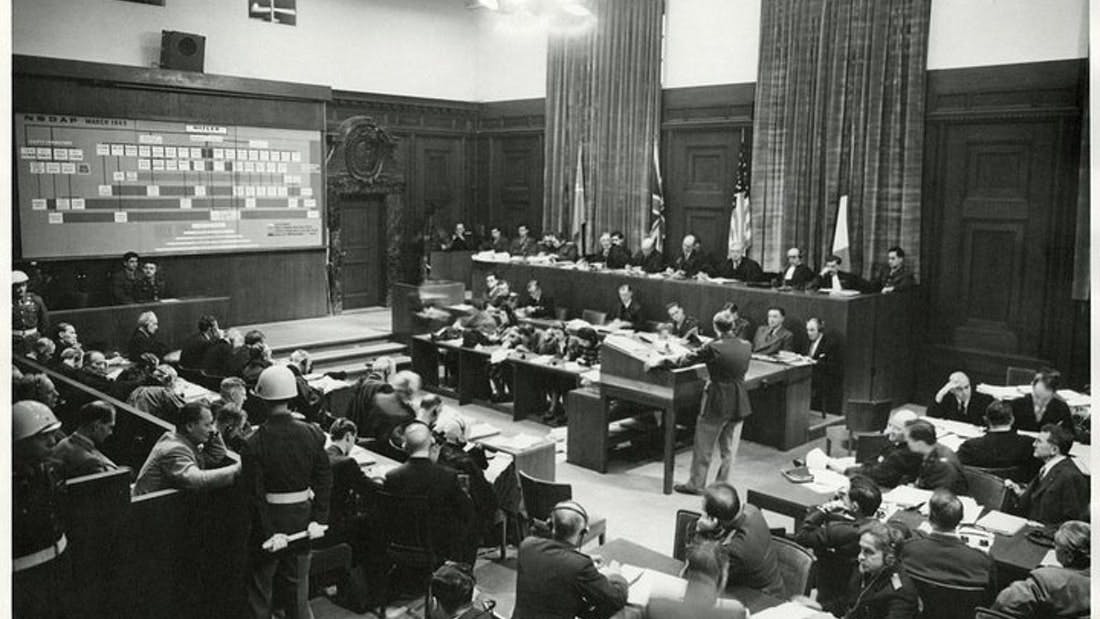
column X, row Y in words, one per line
column 1054, row 591
column 390, row 410
column 1041, row 407
column 346, row 524
column 773, row 337
column 611, row 255
column 555, row 580
column 628, row 312
column 942, row 556
column 797, row 275
column 691, row 260
column 1001, row 446
column 145, row 338
column 460, row 239
column 832, row 278
column 940, row 467
column 899, row 277
column 452, row 511
column 1060, row 491
column 194, row 347
column 536, row 305
column 957, row 400
column 682, row 325
column 524, row 244
column 826, row 383
column 725, row 402
column 648, row 259
column 831, row 530
column 742, row 531
column 496, row 242
column 895, row 465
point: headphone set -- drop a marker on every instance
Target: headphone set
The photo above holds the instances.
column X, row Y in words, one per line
column 571, row 506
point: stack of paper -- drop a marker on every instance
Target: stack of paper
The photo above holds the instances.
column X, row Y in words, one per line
column 907, row 496
column 1003, row 393
column 971, row 510
column 1000, row 522
column 481, row 430
column 646, row 584
column 1074, row 399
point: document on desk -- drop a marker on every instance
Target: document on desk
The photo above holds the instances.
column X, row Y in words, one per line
column 971, row 510
column 646, row 584
column 907, row 496
column 951, row 441
column 361, row 456
column 1000, row 522
column 998, row 392
column 481, row 430
column 789, row 610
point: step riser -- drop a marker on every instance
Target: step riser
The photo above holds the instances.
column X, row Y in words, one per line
column 284, row 351
column 351, row 354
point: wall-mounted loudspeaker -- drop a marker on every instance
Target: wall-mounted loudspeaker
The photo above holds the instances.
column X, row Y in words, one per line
column 182, row 51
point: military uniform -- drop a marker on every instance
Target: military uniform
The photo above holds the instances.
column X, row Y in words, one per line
column 41, row 582
column 29, row 320
column 287, row 474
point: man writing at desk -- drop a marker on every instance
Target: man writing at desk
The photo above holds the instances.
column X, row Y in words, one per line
column 629, row 312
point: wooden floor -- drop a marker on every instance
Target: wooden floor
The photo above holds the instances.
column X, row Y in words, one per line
column 290, row 334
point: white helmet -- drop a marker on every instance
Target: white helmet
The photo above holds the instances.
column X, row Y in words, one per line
column 18, row 277
column 30, row 418
column 276, row 383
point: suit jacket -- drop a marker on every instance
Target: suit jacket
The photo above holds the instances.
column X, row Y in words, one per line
column 141, row 342
column 348, row 484
column 568, row 252
column 653, row 263
column 631, row 314
column 1057, row 412
column 452, row 511
column 724, row 395
column 386, row 413
column 828, row 369
column 948, row 408
column 747, row 270
column 77, row 455
column 896, row 465
column 543, row 308
column 694, row 606
column 556, row 581
column 1062, row 494
column 941, row 469
column 947, row 559
column 193, row 350
column 1047, row 592
column 524, row 247
column 848, row 281
column 693, row 264
column 900, row 279
column 615, row 258
column 685, row 328
column 800, row 279
column 218, row 358
column 767, row 343
column 997, row 450
column 753, row 562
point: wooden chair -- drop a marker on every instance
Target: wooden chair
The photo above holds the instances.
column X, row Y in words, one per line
column 540, row 497
column 213, row 382
column 594, row 317
column 987, row 489
column 329, row 566
column 860, row 417
column 869, row 446
column 944, row 601
column 1018, row 376
column 685, row 520
column 796, row 566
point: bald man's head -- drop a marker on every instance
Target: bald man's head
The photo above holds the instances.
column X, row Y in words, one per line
column 418, row 439
column 960, row 386
column 647, row 244
column 569, row 521
column 895, row 428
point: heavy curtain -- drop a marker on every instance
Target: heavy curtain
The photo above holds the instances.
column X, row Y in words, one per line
column 839, row 111
column 603, row 88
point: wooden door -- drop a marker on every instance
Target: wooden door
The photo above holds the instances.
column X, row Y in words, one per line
column 363, row 235
column 516, row 183
column 989, row 282
column 699, row 188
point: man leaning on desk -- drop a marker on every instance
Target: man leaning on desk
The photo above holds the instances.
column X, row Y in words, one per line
column 956, row 400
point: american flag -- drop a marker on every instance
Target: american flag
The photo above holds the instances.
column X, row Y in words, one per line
column 740, row 217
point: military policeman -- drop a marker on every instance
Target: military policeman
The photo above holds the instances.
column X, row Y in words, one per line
column 42, row 572
column 29, row 318
column 286, row 473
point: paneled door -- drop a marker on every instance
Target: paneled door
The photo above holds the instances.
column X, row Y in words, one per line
column 699, row 187
column 363, row 237
column 988, row 285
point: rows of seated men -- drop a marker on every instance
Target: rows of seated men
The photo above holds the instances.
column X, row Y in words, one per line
column 692, row 261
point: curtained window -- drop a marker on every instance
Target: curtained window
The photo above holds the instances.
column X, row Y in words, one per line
column 839, row 111
column 603, row 88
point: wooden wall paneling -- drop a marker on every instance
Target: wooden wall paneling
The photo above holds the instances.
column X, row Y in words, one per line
column 699, row 187
column 1000, row 192
column 510, row 164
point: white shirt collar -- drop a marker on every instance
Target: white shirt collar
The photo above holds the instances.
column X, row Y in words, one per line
column 1049, row 465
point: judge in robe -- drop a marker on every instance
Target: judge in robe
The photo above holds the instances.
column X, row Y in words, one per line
column 725, row 402
column 832, row 278
column 611, row 255
column 740, row 267
column 797, row 275
column 691, row 260
column 648, row 259
column 825, row 385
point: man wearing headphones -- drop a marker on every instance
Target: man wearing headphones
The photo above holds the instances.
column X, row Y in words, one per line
column 451, row 594
column 554, row 579
column 287, row 473
column 741, row 529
